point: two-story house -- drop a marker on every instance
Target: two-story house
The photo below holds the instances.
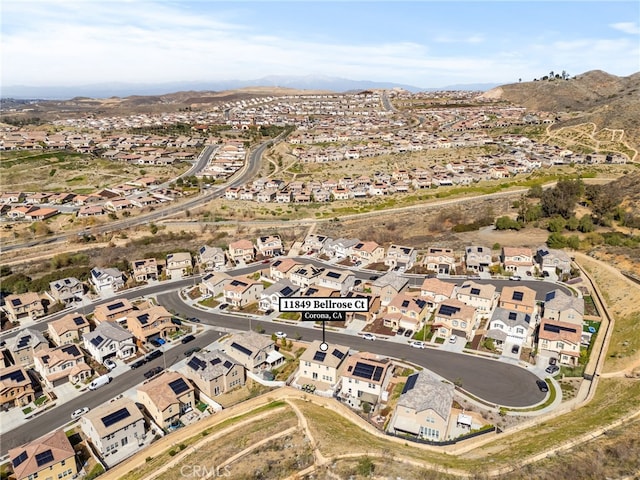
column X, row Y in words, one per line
column 151, row 323
column 305, row 275
column 114, row 426
column 518, row 299
column 269, row 246
column 213, row 283
column 440, row 260
column 254, row 351
column 322, row 367
column 24, row 306
column 68, row 329
column 402, row 258
column 113, row 311
column 388, row 286
column 16, row 387
column 241, row 251
column 105, row 281
column 340, row 280
column 61, row 365
column 371, row 314
column 340, row 247
column 211, row 259
column 482, row 296
column 50, row 456
column 508, row 328
column 452, row 317
column 270, row 296
column 553, row 261
column 406, row 311
column 66, row 290
column 364, row 253
column 437, row 289
column 517, row 259
column 108, row 340
column 178, row 265
column 145, row 269
column 214, row 373
column 477, row 258
column 424, row 408
column 560, row 340
column 561, row 307
column 25, row 345
column 364, row 378
column 282, row 268
column 241, row 291
column 167, row 397
column 314, row 243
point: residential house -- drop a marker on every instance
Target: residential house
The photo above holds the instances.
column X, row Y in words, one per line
column 560, row 340
column 477, row 258
column 305, row 275
column 314, row 243
column 106, row 280
column 254, row 351
column 167, row 397
column 241, row 251
column 108, row 340
column 113, row 311
column 151, row 323
column 269, row 246
column 339, row 248
column 341, row 280
column 424, row 408
column 518, row 299
column 402, row 258
column 211, row 259
column 241, row 291
column 114, row 426
column 270, row 296
column 68, row 329
column 553, row 261
column 48, row 457
column 61, row 365
column 406, row 311
column 145, row 269
column 66, row 290
column 214, row 373
column 483, row 297
column 507, row 327
column 388, row 286
column 178, row 265
column 23, row 306
column 25, row 345
column 16, row 387
column 364, row 377
column 440, row 260
column 517, row 259
column 452, row 317
column 364, row 253
column 322, row 367
column 437, row 289
column 561, row 307
column 213, row 283
column 371, row 314
column 282, row 268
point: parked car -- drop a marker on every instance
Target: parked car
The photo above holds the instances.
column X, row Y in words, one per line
column 515, row 349
column 110, row 364
column 515, row 278
column 191, row 351
column 552, row 369
column 400, row 331
column 545, row 273
column 369, row 336
column 176, row 321
column 205, row 296
column 280, row 335
column 374, row 277
column 408, row 333
column 223, row 306
column 194, row 319
column 79, row 412
column 138, row 363
column 417, row 344
column 152, row 372
column 99, row 382
column 453, row 339
column 269, row 312
column 187, row 339
column 154, row 354
column 157, row 342
column 542, row 385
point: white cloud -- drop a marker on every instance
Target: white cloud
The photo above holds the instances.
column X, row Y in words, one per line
column 631, row 28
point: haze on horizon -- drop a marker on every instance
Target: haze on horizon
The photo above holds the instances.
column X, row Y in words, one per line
column 424, row 44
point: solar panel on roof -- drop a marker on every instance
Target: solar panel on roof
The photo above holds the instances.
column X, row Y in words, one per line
column 97, row 340
column 19, row 459
column 113, row 306
column 45, row 359
column 286, row 291
column 475, row 291
column 448, row 310
column 319, row 356
column 518, row 296
column 227, row 364
column 203, row 249
column 178, row 386
column 377, row 374
column 411, row 382
column 549, row 327
column 23, row 342
column 363, row 370
column 360, row 245
column 480, row 249
column 513, row 315
column 44, row 457
column 215, row 361
column 16, row 376
column 144, row 318
column 333, row 274
column 337, row 353
column 550, row 296
column 115, row 417
column 244, row 350
column 15, row 302
column 71, row 350
column 196, row 364
column 78, row 321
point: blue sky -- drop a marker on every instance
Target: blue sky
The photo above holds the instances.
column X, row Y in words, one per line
column 420, row 43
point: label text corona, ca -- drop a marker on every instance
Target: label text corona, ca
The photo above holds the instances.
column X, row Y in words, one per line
column 324, row 304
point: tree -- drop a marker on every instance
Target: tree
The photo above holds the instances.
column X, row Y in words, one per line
column 507, row 223
column 585, row 224
column 604, row 201
column 556, row 224
column 561, row 199
column 535, row 191
column 556, row 240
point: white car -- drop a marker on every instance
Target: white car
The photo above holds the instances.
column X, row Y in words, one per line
column 79, row 412
column 417, row 344
column 452, row 339
column 206, row 295
column 110, row 364
column 280, row 335
column 369, row 336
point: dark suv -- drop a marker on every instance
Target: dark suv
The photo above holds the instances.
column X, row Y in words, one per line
column 152, row 372
column 138, row 363
column 188, row 338
column 154, row 354
column 542, row 385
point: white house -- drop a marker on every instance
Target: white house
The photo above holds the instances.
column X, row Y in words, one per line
column 106, row 280
column 108, row 340
column 269, row 298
